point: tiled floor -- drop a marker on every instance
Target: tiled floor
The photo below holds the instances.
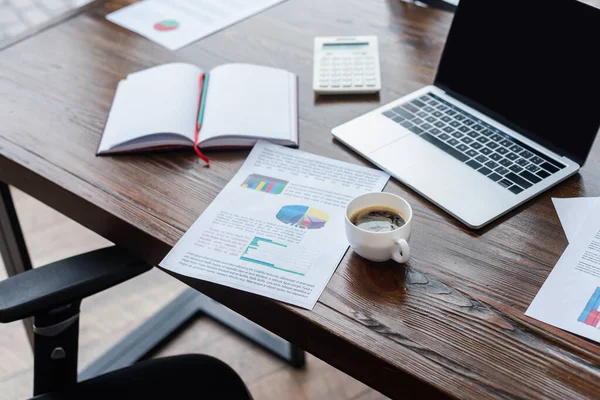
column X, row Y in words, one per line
column 16, row 16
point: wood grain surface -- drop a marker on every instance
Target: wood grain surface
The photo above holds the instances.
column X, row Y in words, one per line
column 449, row 323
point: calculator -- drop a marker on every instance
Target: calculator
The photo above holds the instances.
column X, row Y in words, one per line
column 346, row 64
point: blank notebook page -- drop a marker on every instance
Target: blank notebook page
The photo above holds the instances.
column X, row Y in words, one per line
column 162, row 99
column 250, row 100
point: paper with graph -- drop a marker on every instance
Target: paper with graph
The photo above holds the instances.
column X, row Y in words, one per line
column 570, row 297
column 177, row 23
column 277, row 228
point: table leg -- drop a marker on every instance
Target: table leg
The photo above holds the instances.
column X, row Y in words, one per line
column 12, row 244
column 146, row 339
column 281, row 348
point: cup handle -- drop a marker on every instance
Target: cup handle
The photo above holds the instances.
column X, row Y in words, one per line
column 401, row 251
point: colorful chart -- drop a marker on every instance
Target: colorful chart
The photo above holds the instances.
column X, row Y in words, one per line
column 265, row 184
column 591, row 313
column 303, row 217
column 279, row 256
column 166, row 25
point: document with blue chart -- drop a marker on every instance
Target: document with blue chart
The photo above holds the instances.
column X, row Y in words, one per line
column 277, row 228
column 570, row 297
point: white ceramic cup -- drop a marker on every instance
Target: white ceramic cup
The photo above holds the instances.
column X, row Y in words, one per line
column 380, row 246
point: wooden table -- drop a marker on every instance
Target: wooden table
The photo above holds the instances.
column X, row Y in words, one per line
column 450, row 322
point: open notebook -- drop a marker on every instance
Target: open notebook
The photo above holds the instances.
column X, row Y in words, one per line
column 158, row 108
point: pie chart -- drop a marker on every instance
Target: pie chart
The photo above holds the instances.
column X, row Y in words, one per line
column 304, row 217
column 166, row 25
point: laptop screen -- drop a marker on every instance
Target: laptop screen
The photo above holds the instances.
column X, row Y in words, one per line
column 533, row 65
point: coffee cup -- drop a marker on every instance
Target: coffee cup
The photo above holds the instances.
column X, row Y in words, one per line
column 374, row 230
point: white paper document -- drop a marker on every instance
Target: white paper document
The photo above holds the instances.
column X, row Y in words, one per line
column 177, row 23
column 573, row 212
column 570, row 297
column 277, row 228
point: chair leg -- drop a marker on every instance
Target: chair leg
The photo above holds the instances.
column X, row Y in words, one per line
column 56, row 339
column 12, row 244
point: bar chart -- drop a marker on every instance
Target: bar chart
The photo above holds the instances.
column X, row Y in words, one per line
column 265, row 184
column 296, row 260
column 591, row 313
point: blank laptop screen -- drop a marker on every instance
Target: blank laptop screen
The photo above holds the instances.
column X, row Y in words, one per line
column 533, row 65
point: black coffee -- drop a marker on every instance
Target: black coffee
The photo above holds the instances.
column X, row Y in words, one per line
column 378, row 219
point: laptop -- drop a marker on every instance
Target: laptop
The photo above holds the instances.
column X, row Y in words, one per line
column 514, row 109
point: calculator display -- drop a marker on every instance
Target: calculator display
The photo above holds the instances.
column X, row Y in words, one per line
column 355, row 46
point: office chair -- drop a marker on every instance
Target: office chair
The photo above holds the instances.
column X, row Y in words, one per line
column 52, row 295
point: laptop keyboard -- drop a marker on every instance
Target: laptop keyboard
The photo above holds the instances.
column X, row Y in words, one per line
column 487, row 149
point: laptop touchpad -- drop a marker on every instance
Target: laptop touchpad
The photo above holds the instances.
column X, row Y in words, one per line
column 370, row 132
column 418, row 163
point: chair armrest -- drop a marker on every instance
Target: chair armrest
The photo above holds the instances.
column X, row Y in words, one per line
column 65, row 281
